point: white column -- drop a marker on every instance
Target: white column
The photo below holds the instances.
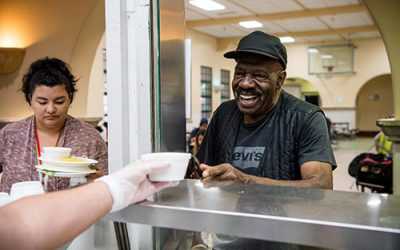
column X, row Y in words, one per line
column 128, row 78
column 129, row 87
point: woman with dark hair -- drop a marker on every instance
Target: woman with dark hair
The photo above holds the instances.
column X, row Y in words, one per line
column 49, row 89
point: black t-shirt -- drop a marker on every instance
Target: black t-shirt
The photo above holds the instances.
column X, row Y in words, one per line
column 292, row 133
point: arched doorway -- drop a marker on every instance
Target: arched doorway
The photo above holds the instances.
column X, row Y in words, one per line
column 374, row 101
column 302, row 89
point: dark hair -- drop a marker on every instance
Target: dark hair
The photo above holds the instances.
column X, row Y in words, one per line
column 203, row 121
column 49, row 72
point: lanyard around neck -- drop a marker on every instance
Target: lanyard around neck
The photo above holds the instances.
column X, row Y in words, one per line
column 38, row 148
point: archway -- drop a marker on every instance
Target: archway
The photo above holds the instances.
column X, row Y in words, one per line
column 83, row 57
column 374, row 101
column 302, row 89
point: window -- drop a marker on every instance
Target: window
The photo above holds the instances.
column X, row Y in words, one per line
column 206, row 91
column 225, row 89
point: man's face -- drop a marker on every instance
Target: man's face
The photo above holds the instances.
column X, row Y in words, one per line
column 256, row 85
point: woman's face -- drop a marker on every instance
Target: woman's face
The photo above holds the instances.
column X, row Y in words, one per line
column 50, row 105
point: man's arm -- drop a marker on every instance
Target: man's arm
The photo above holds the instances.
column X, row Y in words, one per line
column 314, row 174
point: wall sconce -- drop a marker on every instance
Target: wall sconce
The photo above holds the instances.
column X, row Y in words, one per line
column 10, row 59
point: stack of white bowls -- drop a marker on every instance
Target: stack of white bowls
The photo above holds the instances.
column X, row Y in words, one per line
column 53, row 159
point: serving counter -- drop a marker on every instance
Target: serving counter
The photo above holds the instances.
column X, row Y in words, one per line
column 321, row 218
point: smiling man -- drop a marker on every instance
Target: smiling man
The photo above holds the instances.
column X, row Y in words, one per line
column 266, row 136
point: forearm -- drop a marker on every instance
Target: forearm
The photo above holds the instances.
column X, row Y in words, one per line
column 313, row 182
column 48, row 221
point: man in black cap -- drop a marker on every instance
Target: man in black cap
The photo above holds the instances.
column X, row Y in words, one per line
column 266, row 136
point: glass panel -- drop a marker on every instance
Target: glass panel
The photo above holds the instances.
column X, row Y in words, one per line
column 168, row 86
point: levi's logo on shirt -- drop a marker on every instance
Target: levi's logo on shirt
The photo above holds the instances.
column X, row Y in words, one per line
column 247, row 158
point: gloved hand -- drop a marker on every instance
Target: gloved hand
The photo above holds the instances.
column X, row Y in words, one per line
column 131, row 184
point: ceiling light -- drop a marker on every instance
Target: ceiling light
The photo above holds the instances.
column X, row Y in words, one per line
column 208, row 5
column 286, row 39
column 250, row 24
column 326, row 56
column 313, row 50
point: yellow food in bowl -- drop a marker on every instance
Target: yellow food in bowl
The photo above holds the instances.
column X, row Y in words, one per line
column 72, row 159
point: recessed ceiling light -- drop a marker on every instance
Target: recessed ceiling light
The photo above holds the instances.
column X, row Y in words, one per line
column 208, row 5
column 250, row 24
column 313, row 50
column 286, row 39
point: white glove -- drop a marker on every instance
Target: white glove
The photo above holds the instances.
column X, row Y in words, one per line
column 131, row 184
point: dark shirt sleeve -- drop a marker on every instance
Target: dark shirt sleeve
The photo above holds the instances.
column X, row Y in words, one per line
column 313, row 141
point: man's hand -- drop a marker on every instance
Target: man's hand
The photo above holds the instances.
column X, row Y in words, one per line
column 223, row 172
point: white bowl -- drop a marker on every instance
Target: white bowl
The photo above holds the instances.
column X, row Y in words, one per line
column 178, row 163
column 55, row 153
column 25, row 188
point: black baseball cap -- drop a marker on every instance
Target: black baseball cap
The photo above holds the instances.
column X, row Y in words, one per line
column 260, row 43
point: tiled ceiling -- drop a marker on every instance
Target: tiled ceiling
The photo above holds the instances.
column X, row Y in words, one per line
column 301, row 24
column 222, row 30
column 268, row 6
column 306, row 20
column 313, row 4
column 348, row 19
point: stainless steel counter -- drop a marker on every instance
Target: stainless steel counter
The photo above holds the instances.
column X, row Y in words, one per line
column 338, row 220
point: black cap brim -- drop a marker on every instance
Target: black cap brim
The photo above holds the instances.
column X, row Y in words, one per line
column 237, row 53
